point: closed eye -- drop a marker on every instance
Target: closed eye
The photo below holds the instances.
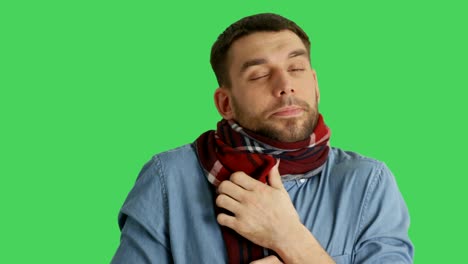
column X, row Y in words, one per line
column 259, row 77
column 297, row 69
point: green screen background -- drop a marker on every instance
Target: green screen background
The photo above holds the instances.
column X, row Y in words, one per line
column 90, row 90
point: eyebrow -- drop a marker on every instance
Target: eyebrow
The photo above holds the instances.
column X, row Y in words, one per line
column 260, row 61
column 298, row 52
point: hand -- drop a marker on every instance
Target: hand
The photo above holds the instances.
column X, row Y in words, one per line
column 263, row 214
column 267, row 260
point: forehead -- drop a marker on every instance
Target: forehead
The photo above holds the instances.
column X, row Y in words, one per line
column 266, row 45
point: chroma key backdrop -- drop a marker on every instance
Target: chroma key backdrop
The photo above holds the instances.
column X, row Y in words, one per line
column 90, row 90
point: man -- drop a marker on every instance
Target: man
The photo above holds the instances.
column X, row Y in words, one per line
column 265, row 187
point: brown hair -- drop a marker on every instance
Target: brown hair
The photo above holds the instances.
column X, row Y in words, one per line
column 248, row 25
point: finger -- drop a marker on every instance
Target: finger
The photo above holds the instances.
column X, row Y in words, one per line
column 228, row 203
column 232, row 190
column 245, row 181
column 226, row 220
column 274, row 177
column 267, row 260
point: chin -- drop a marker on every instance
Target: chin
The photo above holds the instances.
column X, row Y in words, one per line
column 288, row 131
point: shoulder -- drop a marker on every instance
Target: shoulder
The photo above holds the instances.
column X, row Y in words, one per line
column 151, row 183
column 349, row 162
column 154, row 184
column 176, row 162
column 349, row 158
column 174, row 172
column 164, row 162
column 176, row 155
column 367, row 193
column 353, row 171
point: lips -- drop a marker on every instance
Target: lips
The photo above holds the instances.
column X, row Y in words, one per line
column 288, row 111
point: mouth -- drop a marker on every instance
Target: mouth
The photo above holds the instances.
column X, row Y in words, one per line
column 288, row 111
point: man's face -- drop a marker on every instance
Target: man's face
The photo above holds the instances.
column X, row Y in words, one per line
column 274, row 90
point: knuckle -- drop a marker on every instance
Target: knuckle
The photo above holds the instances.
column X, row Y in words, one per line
column 222, row 186
column 250, row 199
column 220, row 219
column 245, row 198
column 236, row 176
column 261, row 188
column 219, row 200
column 225, row 220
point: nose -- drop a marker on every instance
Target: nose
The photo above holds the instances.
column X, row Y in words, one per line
column 282, row 83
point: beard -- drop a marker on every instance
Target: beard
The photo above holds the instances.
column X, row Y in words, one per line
column 281, row 129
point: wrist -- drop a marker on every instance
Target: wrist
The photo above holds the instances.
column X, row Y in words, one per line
column 302, row 247
column 293, row 242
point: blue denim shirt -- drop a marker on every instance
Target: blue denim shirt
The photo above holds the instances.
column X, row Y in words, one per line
column 353, row 208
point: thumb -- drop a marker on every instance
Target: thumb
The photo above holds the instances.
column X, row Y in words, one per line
column 274, row 177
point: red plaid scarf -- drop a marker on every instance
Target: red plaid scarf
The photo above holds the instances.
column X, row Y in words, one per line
column 232, row 148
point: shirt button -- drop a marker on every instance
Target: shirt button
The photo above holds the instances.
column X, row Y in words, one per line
column 302, row 180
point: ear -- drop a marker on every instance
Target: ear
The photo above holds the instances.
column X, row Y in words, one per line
column 222, row 98
column 317, row 90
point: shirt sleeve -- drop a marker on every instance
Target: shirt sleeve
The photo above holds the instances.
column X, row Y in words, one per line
column 138, row 246
column 383, row 229
column 143, row 220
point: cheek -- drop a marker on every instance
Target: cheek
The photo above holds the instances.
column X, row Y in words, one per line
column 251, row 106
column 308, row 95
column 308, row 88
column 247, row 99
